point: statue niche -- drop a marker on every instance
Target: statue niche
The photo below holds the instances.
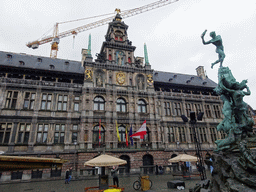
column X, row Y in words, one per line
column 140, row 82
column 99, row 78
column 120, row 58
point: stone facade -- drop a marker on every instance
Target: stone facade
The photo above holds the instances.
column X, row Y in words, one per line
column 53, row 108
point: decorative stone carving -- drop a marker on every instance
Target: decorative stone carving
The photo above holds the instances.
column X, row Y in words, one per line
column 120, row 78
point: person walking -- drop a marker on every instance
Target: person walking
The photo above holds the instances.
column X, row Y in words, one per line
column 70, row 174
column 115, row 176
column 67, row 176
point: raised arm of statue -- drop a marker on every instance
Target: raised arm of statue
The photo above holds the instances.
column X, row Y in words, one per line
column 202, row 36
column 248, row 92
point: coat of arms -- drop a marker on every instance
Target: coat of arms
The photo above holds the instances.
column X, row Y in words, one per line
column 120, row 78
column 88, row 74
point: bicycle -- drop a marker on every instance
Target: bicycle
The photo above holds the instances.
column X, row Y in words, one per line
column 137, row 183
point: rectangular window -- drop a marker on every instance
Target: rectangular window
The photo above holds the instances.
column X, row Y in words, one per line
column 11, row 99
column 191, row 135
column 213, row 134
column 76, row 103
column 202, row 135
column 74, row 133
column 171, row 138
column 62, row 102
column 23, row 134
column 42, row 132
column 216, row 111
column 59, row 133
column 167, row 108
column 46, row 101
column 29, row 100
column 208, row 111
column 182, row 136
column 5, row 132
column 188, row 109
column 198, row 109
column 222, row 135
column 177, row 109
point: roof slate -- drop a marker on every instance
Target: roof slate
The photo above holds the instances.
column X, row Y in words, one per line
column 182, row 79
column 31, row 61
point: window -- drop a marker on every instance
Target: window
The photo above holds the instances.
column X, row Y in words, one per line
column 222, row 135
column 202, row 135
column 198, row 109
column 96, row 134
column 213, row 134
column 110, row 57
column 177, row 109
column 191, row 135
column 5, row 132
column 74, row 133
column 11, row 99
column 146, row 137
column 120, row 105
column 142, row 106
column 170, row 133
column 188, row 109
column 62, row 102
column 59, row 133
column 29, row 100
column 23, row 134
column 42, row 132
column 129, row 60
column 182, row 136
column 121, row 130
column 76, row 103
column 208, row 111
column 99, row 104
column 167, row 108
column 216, row 111
column 46, row 101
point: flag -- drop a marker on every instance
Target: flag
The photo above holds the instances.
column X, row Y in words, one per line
column 130, row 133
column 126, row 137
column 141, row 132
column 99, row 131
column 117, row 132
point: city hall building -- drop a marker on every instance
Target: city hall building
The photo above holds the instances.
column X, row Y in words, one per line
column 54, row 107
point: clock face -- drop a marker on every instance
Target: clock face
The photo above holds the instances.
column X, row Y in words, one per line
column 120, row 78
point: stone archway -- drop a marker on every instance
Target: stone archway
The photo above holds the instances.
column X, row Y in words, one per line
column 127, row 167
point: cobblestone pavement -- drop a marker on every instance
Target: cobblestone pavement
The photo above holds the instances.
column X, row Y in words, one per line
column 159, row 184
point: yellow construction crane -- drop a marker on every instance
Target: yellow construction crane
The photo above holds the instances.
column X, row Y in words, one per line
column 55, row 38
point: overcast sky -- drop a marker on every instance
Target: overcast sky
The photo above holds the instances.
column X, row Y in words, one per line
column 172, row 33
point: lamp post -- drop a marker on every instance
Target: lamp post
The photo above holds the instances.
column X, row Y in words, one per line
column 192, row 121
column 75, row 144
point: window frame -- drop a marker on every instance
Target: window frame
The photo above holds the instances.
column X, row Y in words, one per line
column 30, row 100
column 167, row 108
column 11, row 99
column 47, row 102
column 44, row 131
column 142, row 105
column 74, row 135
column 121, row 105
column 95, row 138
column 99, row 103
column 62, row 104
column 59, row 135
column 23, row 135
column 5, row 131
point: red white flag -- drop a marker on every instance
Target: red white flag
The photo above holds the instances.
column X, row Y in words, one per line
column 141, row 132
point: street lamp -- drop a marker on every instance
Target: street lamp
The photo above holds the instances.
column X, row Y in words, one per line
column 75, row 144
column 192, row 121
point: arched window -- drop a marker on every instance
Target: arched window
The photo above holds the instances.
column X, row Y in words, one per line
column 120, row 105
column 99, row 104
column 142, row 108
column 121, row 130
column 96, row 134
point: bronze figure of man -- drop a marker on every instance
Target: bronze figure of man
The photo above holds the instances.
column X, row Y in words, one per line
column 217, row 41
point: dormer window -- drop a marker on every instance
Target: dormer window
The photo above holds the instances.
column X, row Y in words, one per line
column 39, row 60
column 116, row 38
column 110, row 57
column 120, row 38
column 9, row 56
column 66, row 62
column 129, row 60
column 21, row 63
column 52, row 66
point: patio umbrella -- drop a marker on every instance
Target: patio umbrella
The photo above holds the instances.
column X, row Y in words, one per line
column 183, row 158
column 105, row 161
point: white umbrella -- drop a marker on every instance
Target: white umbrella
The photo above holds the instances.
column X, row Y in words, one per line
column 105, row 161
column 183, row 158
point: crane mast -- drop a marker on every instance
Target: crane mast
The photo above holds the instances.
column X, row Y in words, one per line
column 55, row 38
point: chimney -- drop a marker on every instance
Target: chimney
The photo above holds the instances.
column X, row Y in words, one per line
column 200, row 72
